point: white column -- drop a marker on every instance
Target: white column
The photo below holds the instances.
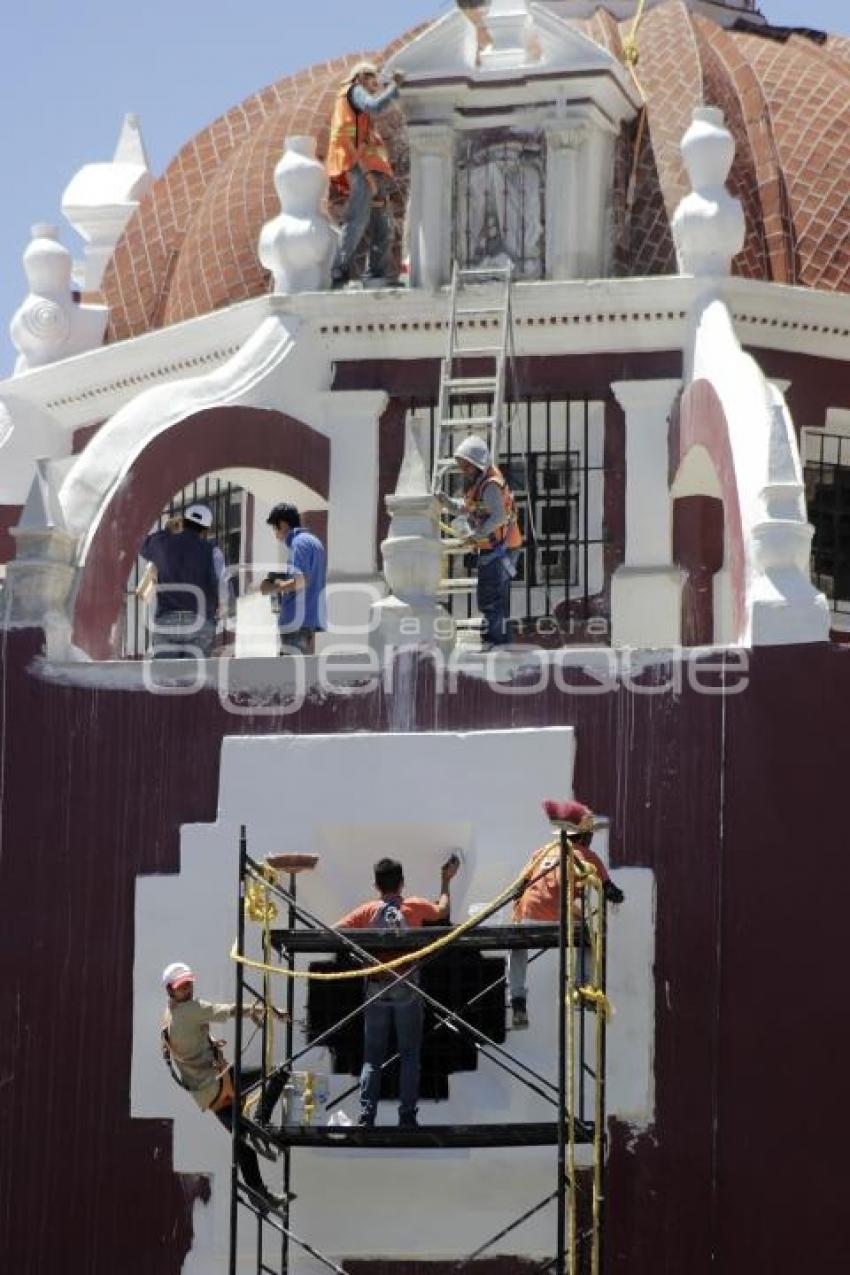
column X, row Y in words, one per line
column 563, row 232
column 350, row 420
column 646, row 594
column 430, row 208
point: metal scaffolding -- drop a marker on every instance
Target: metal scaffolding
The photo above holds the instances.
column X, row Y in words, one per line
column 580, row 1061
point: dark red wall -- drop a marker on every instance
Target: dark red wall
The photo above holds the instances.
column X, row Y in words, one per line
column 733, row 803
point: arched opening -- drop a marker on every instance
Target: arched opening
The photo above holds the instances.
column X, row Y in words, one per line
column 226, row 441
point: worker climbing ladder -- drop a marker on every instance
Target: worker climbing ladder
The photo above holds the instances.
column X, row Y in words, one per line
column 481, row 300
column 579, row 1116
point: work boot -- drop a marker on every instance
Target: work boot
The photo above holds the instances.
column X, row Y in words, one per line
column 519, row 1013
column 366, row 1122
column 407, row 1120
column 275, row 1200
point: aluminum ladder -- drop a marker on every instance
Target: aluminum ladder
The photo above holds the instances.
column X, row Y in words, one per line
column 472, row 310
column 479, row 295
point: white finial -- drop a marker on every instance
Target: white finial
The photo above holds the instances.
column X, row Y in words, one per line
column 100, row 199
column 708, row 226
column 131, row 147
column 298, row 245
column 49, row 325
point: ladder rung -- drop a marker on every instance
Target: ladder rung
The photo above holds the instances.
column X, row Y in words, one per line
column 466, row 422
column 474, row 272
column 463, row 584
column 460, row 383
column 477, row 352
column 477, row 310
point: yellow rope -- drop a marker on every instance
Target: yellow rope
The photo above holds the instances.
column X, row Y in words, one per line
column 387, row 966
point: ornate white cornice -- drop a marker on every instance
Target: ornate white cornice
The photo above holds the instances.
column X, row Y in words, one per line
column 564, row 317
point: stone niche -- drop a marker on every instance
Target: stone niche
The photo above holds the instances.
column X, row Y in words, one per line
column 512, row 120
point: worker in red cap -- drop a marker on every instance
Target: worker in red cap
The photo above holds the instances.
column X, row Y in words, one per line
column 197, row 1063
column 540, row 898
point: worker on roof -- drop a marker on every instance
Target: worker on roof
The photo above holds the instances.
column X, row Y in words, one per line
column 301, row 587
column 196, row 1062
column 494, row 534
column 359, row 167
column 540, row 898
column 399, row 1003
column 188, row 580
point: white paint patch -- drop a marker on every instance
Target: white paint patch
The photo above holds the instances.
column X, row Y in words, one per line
column 351, row 799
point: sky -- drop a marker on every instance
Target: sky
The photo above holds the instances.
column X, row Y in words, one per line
column 70, row 71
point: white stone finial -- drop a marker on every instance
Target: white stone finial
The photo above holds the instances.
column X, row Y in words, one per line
column 298, row 245
column 130, row 149
column 708, row 226
column 49, row 325
column 505, row 34
column 100, row 199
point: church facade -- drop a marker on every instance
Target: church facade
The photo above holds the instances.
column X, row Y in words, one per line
column 671, row 195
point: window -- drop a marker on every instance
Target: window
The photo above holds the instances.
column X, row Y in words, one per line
column 499, row 201
column 826, row 458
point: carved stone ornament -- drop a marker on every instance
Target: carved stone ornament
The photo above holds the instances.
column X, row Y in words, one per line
column 708, row 225
column 49, row 325
column 298, row 245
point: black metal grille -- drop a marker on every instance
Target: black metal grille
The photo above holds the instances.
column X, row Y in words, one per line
column 225, row 502
column 500, row 201
column 553, row 457
column 827, row 474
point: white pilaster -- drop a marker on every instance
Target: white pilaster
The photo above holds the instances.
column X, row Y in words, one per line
column 351, row 423
column 430, row 208
column 563, row 144
column 647, row 589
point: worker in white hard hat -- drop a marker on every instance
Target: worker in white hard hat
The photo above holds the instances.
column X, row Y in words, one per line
column 187, row 589
column 494, row 534
column 197, row 1063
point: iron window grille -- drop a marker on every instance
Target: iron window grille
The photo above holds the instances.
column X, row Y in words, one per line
column 553, row 458
column 500, row 201
column 827, row 477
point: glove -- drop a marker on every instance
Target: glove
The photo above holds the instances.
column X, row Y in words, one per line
column 613, row 893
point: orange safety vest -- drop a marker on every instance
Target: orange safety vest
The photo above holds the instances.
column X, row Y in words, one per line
column 509, row 533
column 354, row 141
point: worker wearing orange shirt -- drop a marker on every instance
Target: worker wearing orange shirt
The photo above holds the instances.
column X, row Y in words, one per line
column 399, row 1003
column 540, row 900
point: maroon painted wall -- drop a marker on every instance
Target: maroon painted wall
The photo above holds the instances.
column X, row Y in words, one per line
column 744, row 1169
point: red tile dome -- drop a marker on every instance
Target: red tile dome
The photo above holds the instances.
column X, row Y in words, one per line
column 192, row 245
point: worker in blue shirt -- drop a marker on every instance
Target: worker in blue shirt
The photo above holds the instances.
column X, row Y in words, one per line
column 301, row 588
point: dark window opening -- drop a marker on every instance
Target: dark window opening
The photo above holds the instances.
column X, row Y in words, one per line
column 500, row 201
column 827, row 476
column 454, row 980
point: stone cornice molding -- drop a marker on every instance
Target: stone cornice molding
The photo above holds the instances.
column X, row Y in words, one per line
column 569, row 316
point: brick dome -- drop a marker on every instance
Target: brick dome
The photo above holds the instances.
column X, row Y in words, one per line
column 192, row 245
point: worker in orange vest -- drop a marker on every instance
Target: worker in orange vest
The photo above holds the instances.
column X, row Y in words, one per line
column 494, row 534
column 540, row 898
column 359, row 166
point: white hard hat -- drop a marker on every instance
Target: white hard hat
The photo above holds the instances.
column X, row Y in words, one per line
column 176, row 974
column 475, row 450
column 199, row 514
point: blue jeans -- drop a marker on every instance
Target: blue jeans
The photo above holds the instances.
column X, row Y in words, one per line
column 361, row 215
column 494, row 600
column 402, row 1005
column 177, row 635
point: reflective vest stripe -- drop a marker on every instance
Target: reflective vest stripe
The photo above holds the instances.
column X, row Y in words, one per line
column 509, row 533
